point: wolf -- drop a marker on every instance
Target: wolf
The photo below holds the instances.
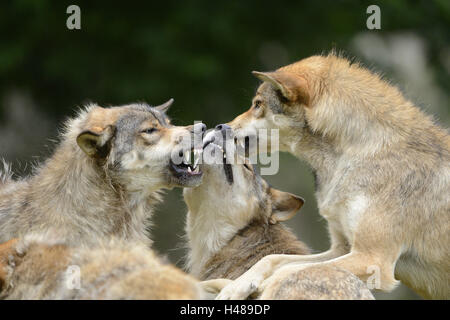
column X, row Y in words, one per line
column 103, row 178
column 225, row 241
column 43, row 268
column 382, row 170
column 234, row 220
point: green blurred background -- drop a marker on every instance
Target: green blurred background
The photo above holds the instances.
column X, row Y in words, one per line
column 201, row 53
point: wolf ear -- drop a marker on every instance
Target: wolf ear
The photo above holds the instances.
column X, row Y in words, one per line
column 165, row 106
column 293, row 87
column 284, row 205
column 96, row 142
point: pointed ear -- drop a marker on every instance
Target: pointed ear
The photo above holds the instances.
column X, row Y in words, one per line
column 284, row 205
column 293, row 87
column 96, row 142
column 165, row 106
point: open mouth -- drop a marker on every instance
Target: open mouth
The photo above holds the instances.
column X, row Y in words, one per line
column 188, row 170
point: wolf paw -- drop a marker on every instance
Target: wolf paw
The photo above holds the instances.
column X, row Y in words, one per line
column 239, row 289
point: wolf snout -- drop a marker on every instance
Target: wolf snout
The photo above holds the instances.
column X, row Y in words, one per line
column 223, row 127
column 224, row 130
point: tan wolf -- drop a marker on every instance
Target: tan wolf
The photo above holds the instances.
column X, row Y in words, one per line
column 234, row 220
column 44, row 268
column 103, row 178
column 382, row 171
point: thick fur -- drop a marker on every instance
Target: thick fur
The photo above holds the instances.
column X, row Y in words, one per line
column 382, row 171
column 230, row 227
column 5, row 174
column 41, row 269
column 257, row 240
column 316, row 283
column 102, row 180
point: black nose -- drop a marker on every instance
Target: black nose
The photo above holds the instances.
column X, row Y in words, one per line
column 223, row 127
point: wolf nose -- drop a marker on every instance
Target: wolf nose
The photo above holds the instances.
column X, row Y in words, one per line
column 223, row 127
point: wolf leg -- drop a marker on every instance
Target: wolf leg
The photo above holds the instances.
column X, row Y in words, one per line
column 249, row 282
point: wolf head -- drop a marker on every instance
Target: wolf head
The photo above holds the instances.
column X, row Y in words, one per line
column 280, row 103
column 137, row 145
column 325, row 95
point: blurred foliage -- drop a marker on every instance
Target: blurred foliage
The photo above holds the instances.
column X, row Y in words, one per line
column 198, row 52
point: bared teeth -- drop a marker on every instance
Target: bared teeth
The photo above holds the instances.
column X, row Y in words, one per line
column 189, row 170
column 197, row 170
column 186, row 157
column 197, row 160
column 197, row 156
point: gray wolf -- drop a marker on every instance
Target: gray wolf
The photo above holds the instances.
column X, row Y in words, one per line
column 36, row 267
column 103, row 178
column 382, row 170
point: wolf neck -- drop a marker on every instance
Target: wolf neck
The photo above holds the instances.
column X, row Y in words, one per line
column 364, row 133
column 82, row 204
column 210, row 226
column 317, row 151
column 249, row 245
column 365, row 116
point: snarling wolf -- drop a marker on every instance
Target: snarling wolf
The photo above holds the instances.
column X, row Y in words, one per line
column 103, row 178
column 382, row 171
column 234, row 220
column 36, row 267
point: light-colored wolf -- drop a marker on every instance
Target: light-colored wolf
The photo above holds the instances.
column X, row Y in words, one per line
column 103, row 178
column 234, row 220
column 382, row 171
column 42, row 268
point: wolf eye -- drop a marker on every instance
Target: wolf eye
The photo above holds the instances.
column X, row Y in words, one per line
column 258, row 104
column 247, row 167
column 149, row 130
